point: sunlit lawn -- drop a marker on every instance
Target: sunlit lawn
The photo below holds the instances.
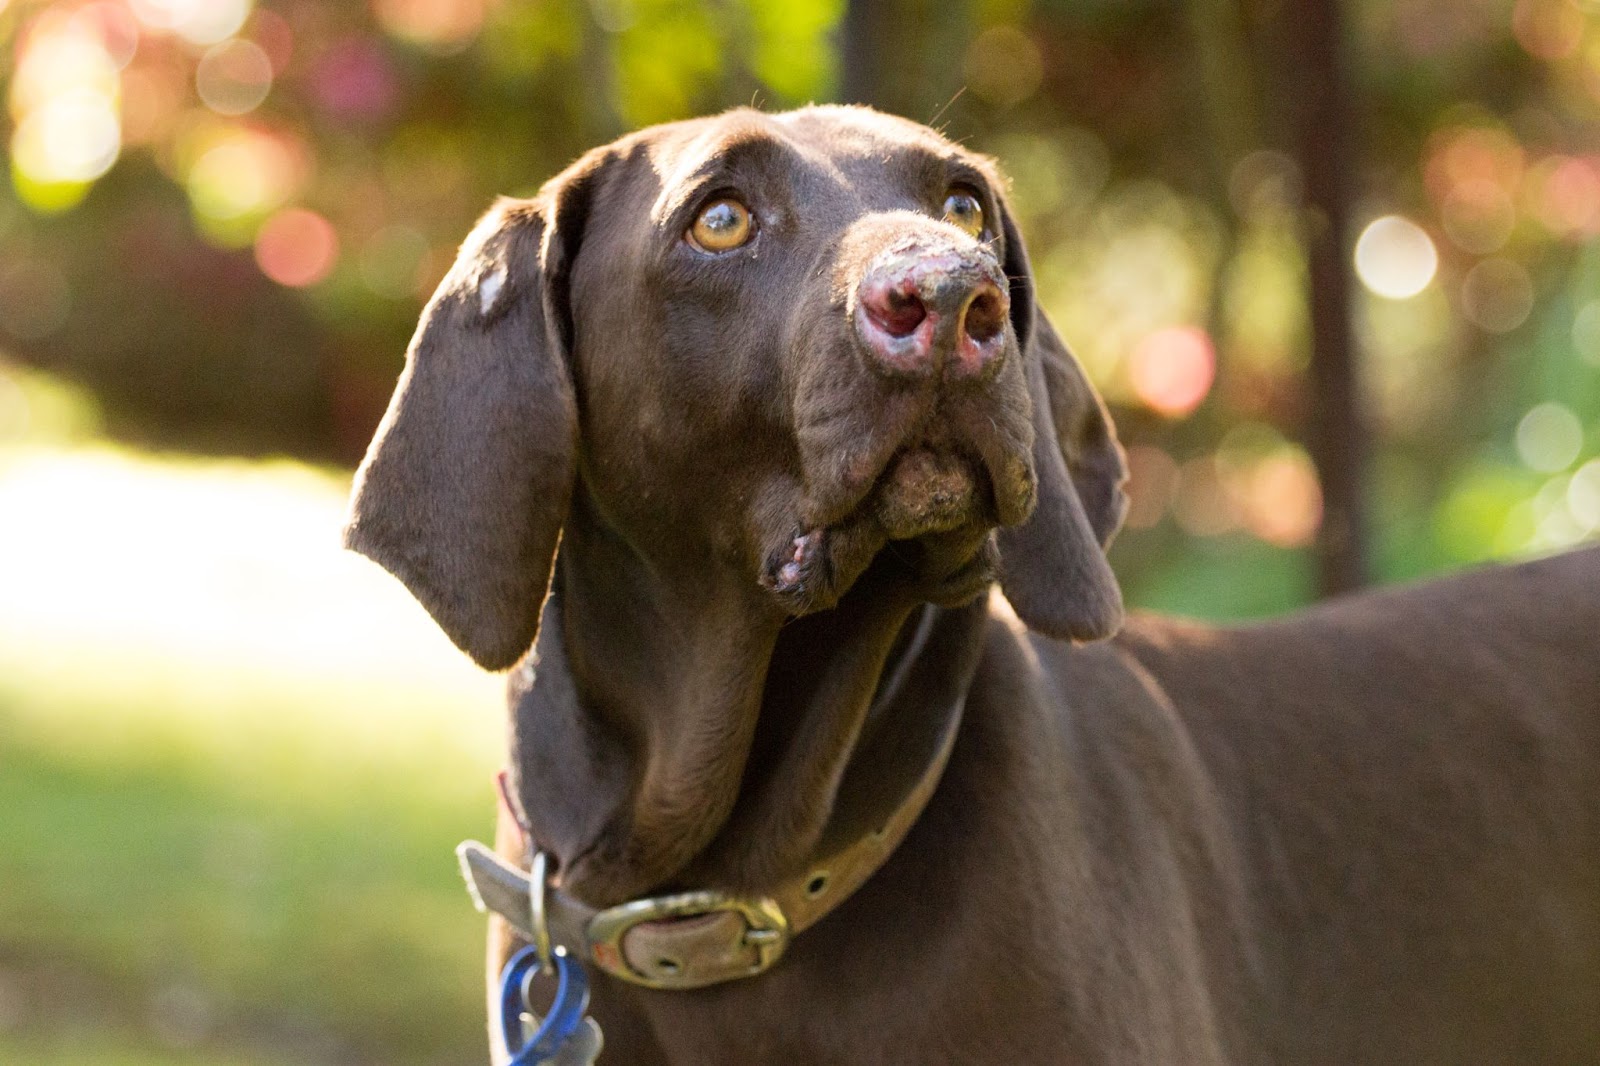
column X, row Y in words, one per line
column 233, row 763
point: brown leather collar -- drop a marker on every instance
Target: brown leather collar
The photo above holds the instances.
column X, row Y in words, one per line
column 693, row 939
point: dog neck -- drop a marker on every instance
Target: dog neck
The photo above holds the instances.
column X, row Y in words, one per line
column 718, row 753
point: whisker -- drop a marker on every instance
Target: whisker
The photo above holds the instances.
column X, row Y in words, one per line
column 948, row 104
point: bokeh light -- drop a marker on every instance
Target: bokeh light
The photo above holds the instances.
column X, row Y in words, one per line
column 273, row 33
column 1395, row 257
column 1256, row 481
column 58, row 55
column 1152, row 482
column 1271, row 485
column 1549, row 437
column 153, row 98
column 1284, row 501
column 1548, row 29
column 297, row 247
column 112, row 25
column 240, row 175
column 1172, row 369
column 234, row 77
column 1003, row 66
column 1586, row 332
column 1264, row 180
column 1554, row 525
column 1497, row 295
column 1476, row 518
column 75, row 137
column 1141, row 259
column 64, row 98
column 353, row 79
column 1589, row 72
column 1478, row 216
column 200, row 22
column 1566, row 196
column 438, row 25
column 1202, row 506
column 1459, row 156
column 1583, row 496
column 1056, row 177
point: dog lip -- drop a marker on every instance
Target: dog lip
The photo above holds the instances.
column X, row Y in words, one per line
column 792, row 574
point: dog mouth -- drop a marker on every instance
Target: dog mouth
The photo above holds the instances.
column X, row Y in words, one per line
column 926, row 519
column 923, row 491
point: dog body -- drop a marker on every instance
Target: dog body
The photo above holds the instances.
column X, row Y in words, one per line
column 777, row 388
column 1366, row 834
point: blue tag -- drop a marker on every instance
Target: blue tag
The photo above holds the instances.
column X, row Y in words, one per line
column 563, row 1019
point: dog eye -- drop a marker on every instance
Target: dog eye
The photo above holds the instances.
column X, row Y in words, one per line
column 721, row 226
column 963, row 210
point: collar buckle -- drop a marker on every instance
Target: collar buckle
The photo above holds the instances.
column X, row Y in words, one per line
column 755, row 945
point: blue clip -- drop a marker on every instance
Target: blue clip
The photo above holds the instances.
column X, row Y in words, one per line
column 557, row 1026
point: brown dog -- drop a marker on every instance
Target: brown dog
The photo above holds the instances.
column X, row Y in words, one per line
column 778, row 388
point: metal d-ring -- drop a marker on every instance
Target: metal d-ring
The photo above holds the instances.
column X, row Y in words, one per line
column 538, row 878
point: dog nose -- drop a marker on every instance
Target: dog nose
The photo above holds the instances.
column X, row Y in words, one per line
column 922, row 314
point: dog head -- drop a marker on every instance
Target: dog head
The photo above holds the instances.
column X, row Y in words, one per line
column 773, row 358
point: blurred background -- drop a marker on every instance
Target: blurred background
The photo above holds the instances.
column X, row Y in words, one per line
column 1334, row 265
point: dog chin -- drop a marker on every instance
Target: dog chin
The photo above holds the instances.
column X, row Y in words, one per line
column 923, row 492
column 924, row 528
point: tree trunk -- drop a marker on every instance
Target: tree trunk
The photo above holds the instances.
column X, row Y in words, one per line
column 1314, row 81
column 861, row 42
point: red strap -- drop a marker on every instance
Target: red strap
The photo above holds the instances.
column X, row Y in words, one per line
column 502, row 782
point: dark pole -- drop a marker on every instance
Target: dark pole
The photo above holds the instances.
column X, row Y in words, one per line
column 861, row 42
column 1315, row 84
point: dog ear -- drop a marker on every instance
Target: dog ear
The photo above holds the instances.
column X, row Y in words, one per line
column 1053, row 567
column 466, row 485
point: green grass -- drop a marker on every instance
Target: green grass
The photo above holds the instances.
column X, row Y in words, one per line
column 288, row 884
column 234, row 763
column 98, row 1047
column 1227, row 579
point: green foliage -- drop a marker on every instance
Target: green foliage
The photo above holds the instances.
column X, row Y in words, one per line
column 1144, row 141
column 214, row 856
column 300, row 892
column 791, row 52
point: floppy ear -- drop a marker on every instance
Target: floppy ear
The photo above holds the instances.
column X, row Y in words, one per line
column 1053, row 567
column 465, row 487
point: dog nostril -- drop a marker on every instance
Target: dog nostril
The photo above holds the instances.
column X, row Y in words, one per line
column 898, row 312
column 986, row 315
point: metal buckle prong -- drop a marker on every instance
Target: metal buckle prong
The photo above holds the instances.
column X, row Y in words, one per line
column 767, row 930
column 538, row 885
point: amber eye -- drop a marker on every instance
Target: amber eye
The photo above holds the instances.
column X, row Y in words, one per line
column 963, row 210
column 722, row 225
